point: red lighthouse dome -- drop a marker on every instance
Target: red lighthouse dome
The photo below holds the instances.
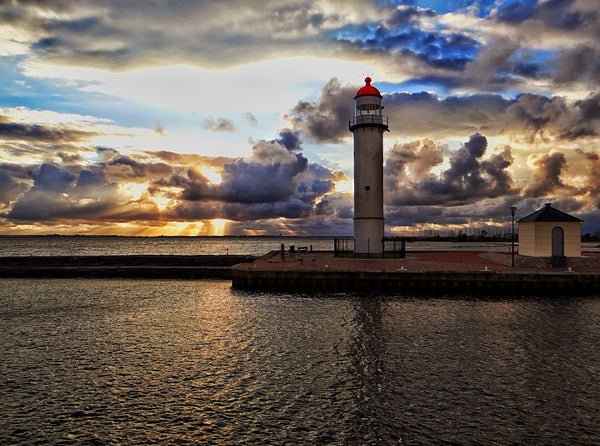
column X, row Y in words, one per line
column 368, row 89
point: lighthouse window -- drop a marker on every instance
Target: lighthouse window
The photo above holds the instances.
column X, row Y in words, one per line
column 368, row 109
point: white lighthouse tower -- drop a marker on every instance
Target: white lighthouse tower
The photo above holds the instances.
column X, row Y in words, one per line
column 368, row 125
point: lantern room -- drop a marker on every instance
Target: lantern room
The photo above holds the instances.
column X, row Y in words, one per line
column 367, row 108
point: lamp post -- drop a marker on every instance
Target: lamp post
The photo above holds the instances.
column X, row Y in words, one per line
column 512, row 234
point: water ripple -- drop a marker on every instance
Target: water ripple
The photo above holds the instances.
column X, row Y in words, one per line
column 169, row 362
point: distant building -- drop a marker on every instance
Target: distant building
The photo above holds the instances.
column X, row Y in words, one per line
column 549, row 232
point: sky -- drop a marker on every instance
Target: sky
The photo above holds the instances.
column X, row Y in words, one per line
column 210, row 118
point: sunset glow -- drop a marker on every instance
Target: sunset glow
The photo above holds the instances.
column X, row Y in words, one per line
column 491, row 104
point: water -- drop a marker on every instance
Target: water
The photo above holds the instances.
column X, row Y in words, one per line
column 195, row 362
column 113, row 245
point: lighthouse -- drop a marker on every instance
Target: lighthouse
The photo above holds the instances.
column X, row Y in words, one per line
column 367, row 126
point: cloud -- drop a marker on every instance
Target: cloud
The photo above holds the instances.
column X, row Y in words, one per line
column 221, row 125
column 12, row 183
column 411, row 161
column 418, row 114
column 591, row 191
column 495, row 56
column 546, row 175
column 327, row 118
column 59, row 195
column 515, row 11
column 554, row 117
column 273, row 181
column 269, row 174
column 51, row 178
column 469, row 178
column 123, row 35
column 122, row 167
column 525, row 74
column 34, row 132
column 339, row 205
column 251, row 119
column 565, row 15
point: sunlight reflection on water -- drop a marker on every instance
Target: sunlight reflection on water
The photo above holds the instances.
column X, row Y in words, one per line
column 138, row 362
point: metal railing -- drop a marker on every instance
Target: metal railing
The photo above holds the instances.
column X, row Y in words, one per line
column 393, row 247
column 378, row 120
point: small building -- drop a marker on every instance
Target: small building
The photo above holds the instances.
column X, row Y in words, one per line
column 549, row 232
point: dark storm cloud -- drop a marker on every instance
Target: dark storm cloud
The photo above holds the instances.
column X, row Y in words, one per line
column 247, row 182
column 402, row 34
column 555, row 117
column 339, row 205
column 59, row 194
column 123, row 35
column 474, row 214
column 555, row 14
column 292, row 208
column 289, row 139
column 546, row 178
column 194, row 210
column 579, row 63
column 516, row 11
column 127, row 167
column 417, row 114
column 327, row 118
column 13, row 182
column 243, row 181
column 46, row 196
column 16, row 171
column 274, row 181
column 52, row 178
column 89, row 179
column 468, row 179
column 412, row 161
column 493, row 65
column 410, row 215
column 447, row 51
column 40, row 133
column 592, row 189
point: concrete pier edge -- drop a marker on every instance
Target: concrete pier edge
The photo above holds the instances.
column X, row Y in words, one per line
column 441, row 273
column 419, row 282
column 244, row 274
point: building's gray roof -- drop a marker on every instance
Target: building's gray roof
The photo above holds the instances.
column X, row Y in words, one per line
column 548, row 213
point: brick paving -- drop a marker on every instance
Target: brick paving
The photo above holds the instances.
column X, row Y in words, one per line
column 458, row 261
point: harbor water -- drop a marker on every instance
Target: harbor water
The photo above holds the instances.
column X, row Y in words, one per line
column 89, row 361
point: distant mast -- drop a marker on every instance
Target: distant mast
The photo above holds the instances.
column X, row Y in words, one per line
column 368, row 125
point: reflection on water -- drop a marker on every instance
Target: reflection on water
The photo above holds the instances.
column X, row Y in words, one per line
column 138, row 362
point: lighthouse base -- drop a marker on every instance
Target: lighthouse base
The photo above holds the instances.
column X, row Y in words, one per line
column 368, row 237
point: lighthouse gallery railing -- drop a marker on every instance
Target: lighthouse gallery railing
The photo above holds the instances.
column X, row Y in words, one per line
column 378, row 120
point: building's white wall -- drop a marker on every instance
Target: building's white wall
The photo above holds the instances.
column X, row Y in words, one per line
column 572, row 238
column 526, row 239
column 368, row 236
column 543, row 238
column 368, row 189
column 535, row 239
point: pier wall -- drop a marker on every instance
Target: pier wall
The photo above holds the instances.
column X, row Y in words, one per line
column 136, row 266
column 439, row 283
